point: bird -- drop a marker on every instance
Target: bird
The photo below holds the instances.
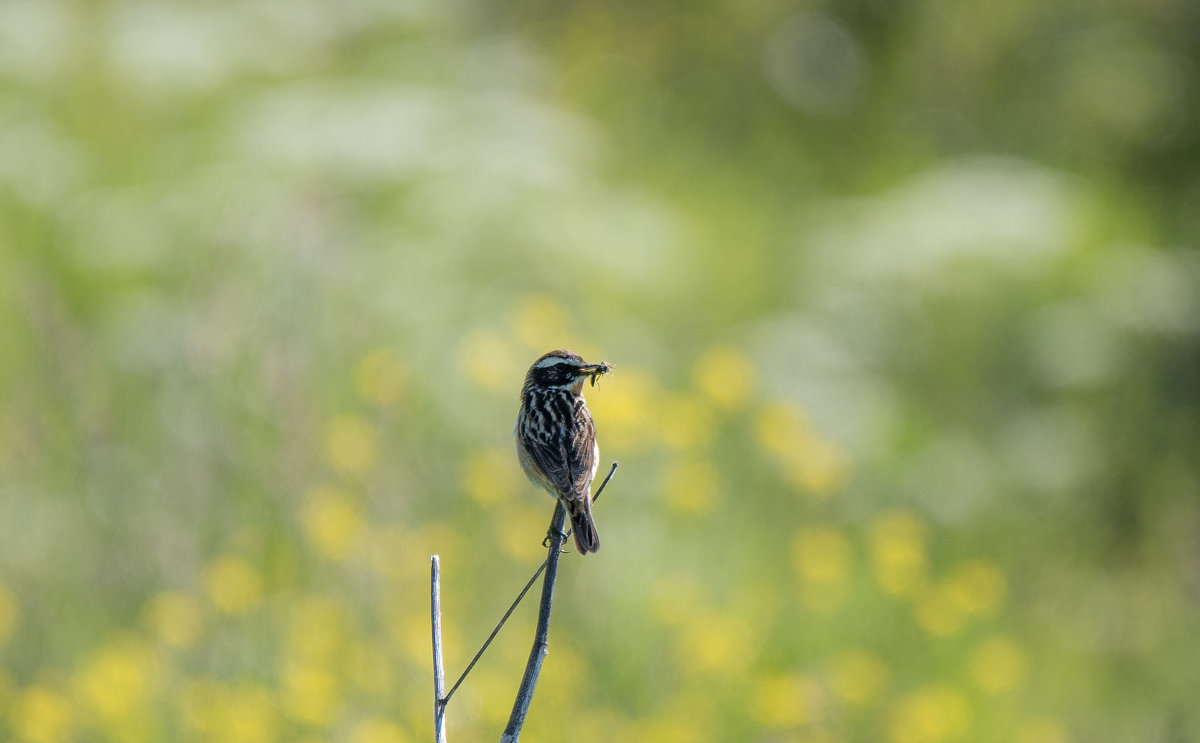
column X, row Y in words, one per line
column 556, row 438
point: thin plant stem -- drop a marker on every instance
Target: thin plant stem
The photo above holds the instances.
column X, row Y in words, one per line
column 492, row 636
column 541, row 635
column 439, row 679
column 496, row 630
column 555, row 538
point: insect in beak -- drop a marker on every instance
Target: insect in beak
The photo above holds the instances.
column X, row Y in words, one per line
column 596, row 371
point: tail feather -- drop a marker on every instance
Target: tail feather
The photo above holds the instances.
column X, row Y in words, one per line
column 584, row 528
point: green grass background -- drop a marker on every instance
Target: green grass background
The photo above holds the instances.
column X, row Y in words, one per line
column 902, row 301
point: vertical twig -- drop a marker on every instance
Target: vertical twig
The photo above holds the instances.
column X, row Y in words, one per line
column 533, row 667
column 439, row 680
column 495, row 631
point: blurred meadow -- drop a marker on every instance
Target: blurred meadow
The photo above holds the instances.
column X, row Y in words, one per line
column 903, row 301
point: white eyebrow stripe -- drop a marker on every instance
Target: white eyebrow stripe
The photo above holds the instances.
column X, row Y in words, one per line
column 552, row 360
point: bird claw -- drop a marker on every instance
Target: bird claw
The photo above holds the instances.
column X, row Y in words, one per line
column 561, row 533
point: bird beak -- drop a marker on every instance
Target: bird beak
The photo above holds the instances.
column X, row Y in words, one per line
column 592, row 371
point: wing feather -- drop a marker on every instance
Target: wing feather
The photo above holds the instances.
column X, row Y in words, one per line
column 565, row 453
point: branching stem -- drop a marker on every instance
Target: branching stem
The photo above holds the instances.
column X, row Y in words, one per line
column 533, row 667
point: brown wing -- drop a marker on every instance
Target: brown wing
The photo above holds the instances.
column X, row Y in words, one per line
column 565, row 453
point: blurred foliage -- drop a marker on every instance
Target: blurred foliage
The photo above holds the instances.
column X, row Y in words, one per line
column 903, row 301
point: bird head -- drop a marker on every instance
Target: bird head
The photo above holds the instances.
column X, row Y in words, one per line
column 563, row 370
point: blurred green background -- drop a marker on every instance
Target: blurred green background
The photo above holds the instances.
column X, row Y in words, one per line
column 903, row 301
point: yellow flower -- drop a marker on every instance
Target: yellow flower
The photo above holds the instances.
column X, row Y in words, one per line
column 380, row 377
column 521, row 529
column 489, row 360
column 859, row 677
column 939, row 610
column 715, row 643
column 351, row 444
column 118, row 680
column 233, row 585
column 821, row 556
column 316, row 632
column 332, row 520
column 726, row 376
column 684, row 421
column 201, row 701
column 999, row 665
column 249, row 716
column 781, row 428
column 624, row 410
column 542, row 322
column 783, row 701
column 176, row 618
column 692, row 487
column 310, row 695
column 42, row 715
column 898, row 552
column 822, row 468
column 930, row 715
column 671, row 729
column 813, row 465
column 979, row 587
column 493, row 475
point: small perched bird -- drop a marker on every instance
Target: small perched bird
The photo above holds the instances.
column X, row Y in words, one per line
column 556, row 439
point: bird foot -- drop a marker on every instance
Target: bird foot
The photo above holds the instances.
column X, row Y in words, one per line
column 549, row 534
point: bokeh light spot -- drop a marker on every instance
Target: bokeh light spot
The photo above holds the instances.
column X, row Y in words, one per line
column 233, row 585
column 317, row 628
column 42, row 715
column 782, row 701
column 684, row 421
column 310, row 695
column 119, row 680
column 175, row 617
column 809, row 463
column 980, row 587
column 859, row 677
column 815, row 64
column 939, row 611
column 493, row 475
column 930, row 715
column 821, row 557
column 999, row 665
column 692, row 487
column 541, row 322
column 351, row 444
column 249, row 716
column 898, row 552
column 624, row 410
column 726, row 377
column 781, row 427
column 519, row 530
column 380, row 377
column 489, row 360
column 332, row 520
column 715, row 643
